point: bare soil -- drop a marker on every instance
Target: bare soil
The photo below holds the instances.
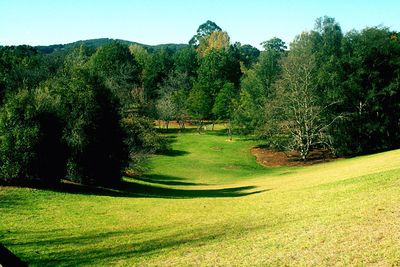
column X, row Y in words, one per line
column 272, row 158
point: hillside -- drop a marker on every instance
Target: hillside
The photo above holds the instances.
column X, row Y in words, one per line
column 207, row 202
column 95, row 43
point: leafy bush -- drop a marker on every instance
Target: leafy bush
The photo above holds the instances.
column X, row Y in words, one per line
column 31, row 146
column 141, row 140
column 92, row 131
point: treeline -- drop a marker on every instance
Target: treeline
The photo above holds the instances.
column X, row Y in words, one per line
column 330, row 90
column 74, row 116
column 87, row 114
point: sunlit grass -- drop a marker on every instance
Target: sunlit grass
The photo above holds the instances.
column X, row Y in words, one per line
column 207, row 202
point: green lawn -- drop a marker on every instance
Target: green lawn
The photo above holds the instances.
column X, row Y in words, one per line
column 207, row 202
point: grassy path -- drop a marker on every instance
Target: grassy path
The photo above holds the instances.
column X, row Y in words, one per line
column 207, row 202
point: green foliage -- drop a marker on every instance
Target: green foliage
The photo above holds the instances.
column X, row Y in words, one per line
column 249, row 116
column 120, row 71
column 141, row 141
column 92, row 132
column 173, row 95
column 248, row 54
column 31, row 145
column 295, row 109
column 371, row 61
column 199, row 102
column 141, row 55
column 19, row 136
column 204, row 31
column 223, row 105
column 166, row 108
column 21, row 67
column 186, row 61
column 217, row 68
column 157, row 70
column 274, row 44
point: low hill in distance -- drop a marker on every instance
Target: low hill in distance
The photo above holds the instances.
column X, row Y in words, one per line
column 95, row 43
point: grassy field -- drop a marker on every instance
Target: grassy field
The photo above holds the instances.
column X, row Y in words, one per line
column 207, row 202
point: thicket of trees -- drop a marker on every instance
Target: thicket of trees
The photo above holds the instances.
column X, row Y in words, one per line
column 333, row 90
column 87, row 113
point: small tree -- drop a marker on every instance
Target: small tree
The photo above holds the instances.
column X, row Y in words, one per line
column 166, row 108
column 223, row 105
column 199, row 104
column 141, row 140
column 173, row 95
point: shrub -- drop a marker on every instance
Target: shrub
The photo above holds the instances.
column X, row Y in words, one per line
column 31, row 146
column 141, row 140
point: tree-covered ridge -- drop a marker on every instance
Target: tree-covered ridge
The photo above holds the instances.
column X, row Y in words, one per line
column 96, row 43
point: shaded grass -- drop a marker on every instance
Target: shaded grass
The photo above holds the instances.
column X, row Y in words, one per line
column 213, row 205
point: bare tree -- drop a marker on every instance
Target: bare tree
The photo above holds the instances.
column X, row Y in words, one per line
column 166, row 108
column 295, row 111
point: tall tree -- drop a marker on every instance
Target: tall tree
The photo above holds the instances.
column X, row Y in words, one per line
column 215, row 41
column 120, row 71
column 203, row 31
column 174, row 92
column 186, row 61
column 295, row 109
column 248, row 54
column 199, row 103
column 224, row 105
column 371, row 62
column 256, row 89
column 274, row 44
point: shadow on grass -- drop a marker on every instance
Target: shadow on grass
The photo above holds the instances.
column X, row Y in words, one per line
column 153, row 187
column 170, row 139
column 164, row 180
column 146, row 190
column 98, row 247
column 7, row 258
column 173, row 153
column 176, row 130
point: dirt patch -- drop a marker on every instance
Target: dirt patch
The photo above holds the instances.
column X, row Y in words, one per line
column 271, row 158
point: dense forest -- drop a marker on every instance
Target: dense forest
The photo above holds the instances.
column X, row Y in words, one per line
column 87, row 113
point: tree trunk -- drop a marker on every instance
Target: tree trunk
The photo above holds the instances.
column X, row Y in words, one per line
column 200, row 126
column 181, row 124
column 229, row 130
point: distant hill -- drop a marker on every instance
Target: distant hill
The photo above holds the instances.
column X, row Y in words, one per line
column 95, row 43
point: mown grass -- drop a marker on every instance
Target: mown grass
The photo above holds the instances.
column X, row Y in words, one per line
column 207, row 202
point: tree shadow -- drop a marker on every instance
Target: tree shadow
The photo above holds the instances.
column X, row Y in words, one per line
column 173, row 153
column 7, row 258
column 139, row 187
column 62, row 248
column 135, row 189
column 164, row 180
column 176, row 130
column 220, row 132
column 169, row 139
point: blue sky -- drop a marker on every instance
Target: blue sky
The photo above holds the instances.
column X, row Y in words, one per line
column 152, row 22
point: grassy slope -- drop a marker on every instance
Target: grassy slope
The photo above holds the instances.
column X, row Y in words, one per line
column 209, row 203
